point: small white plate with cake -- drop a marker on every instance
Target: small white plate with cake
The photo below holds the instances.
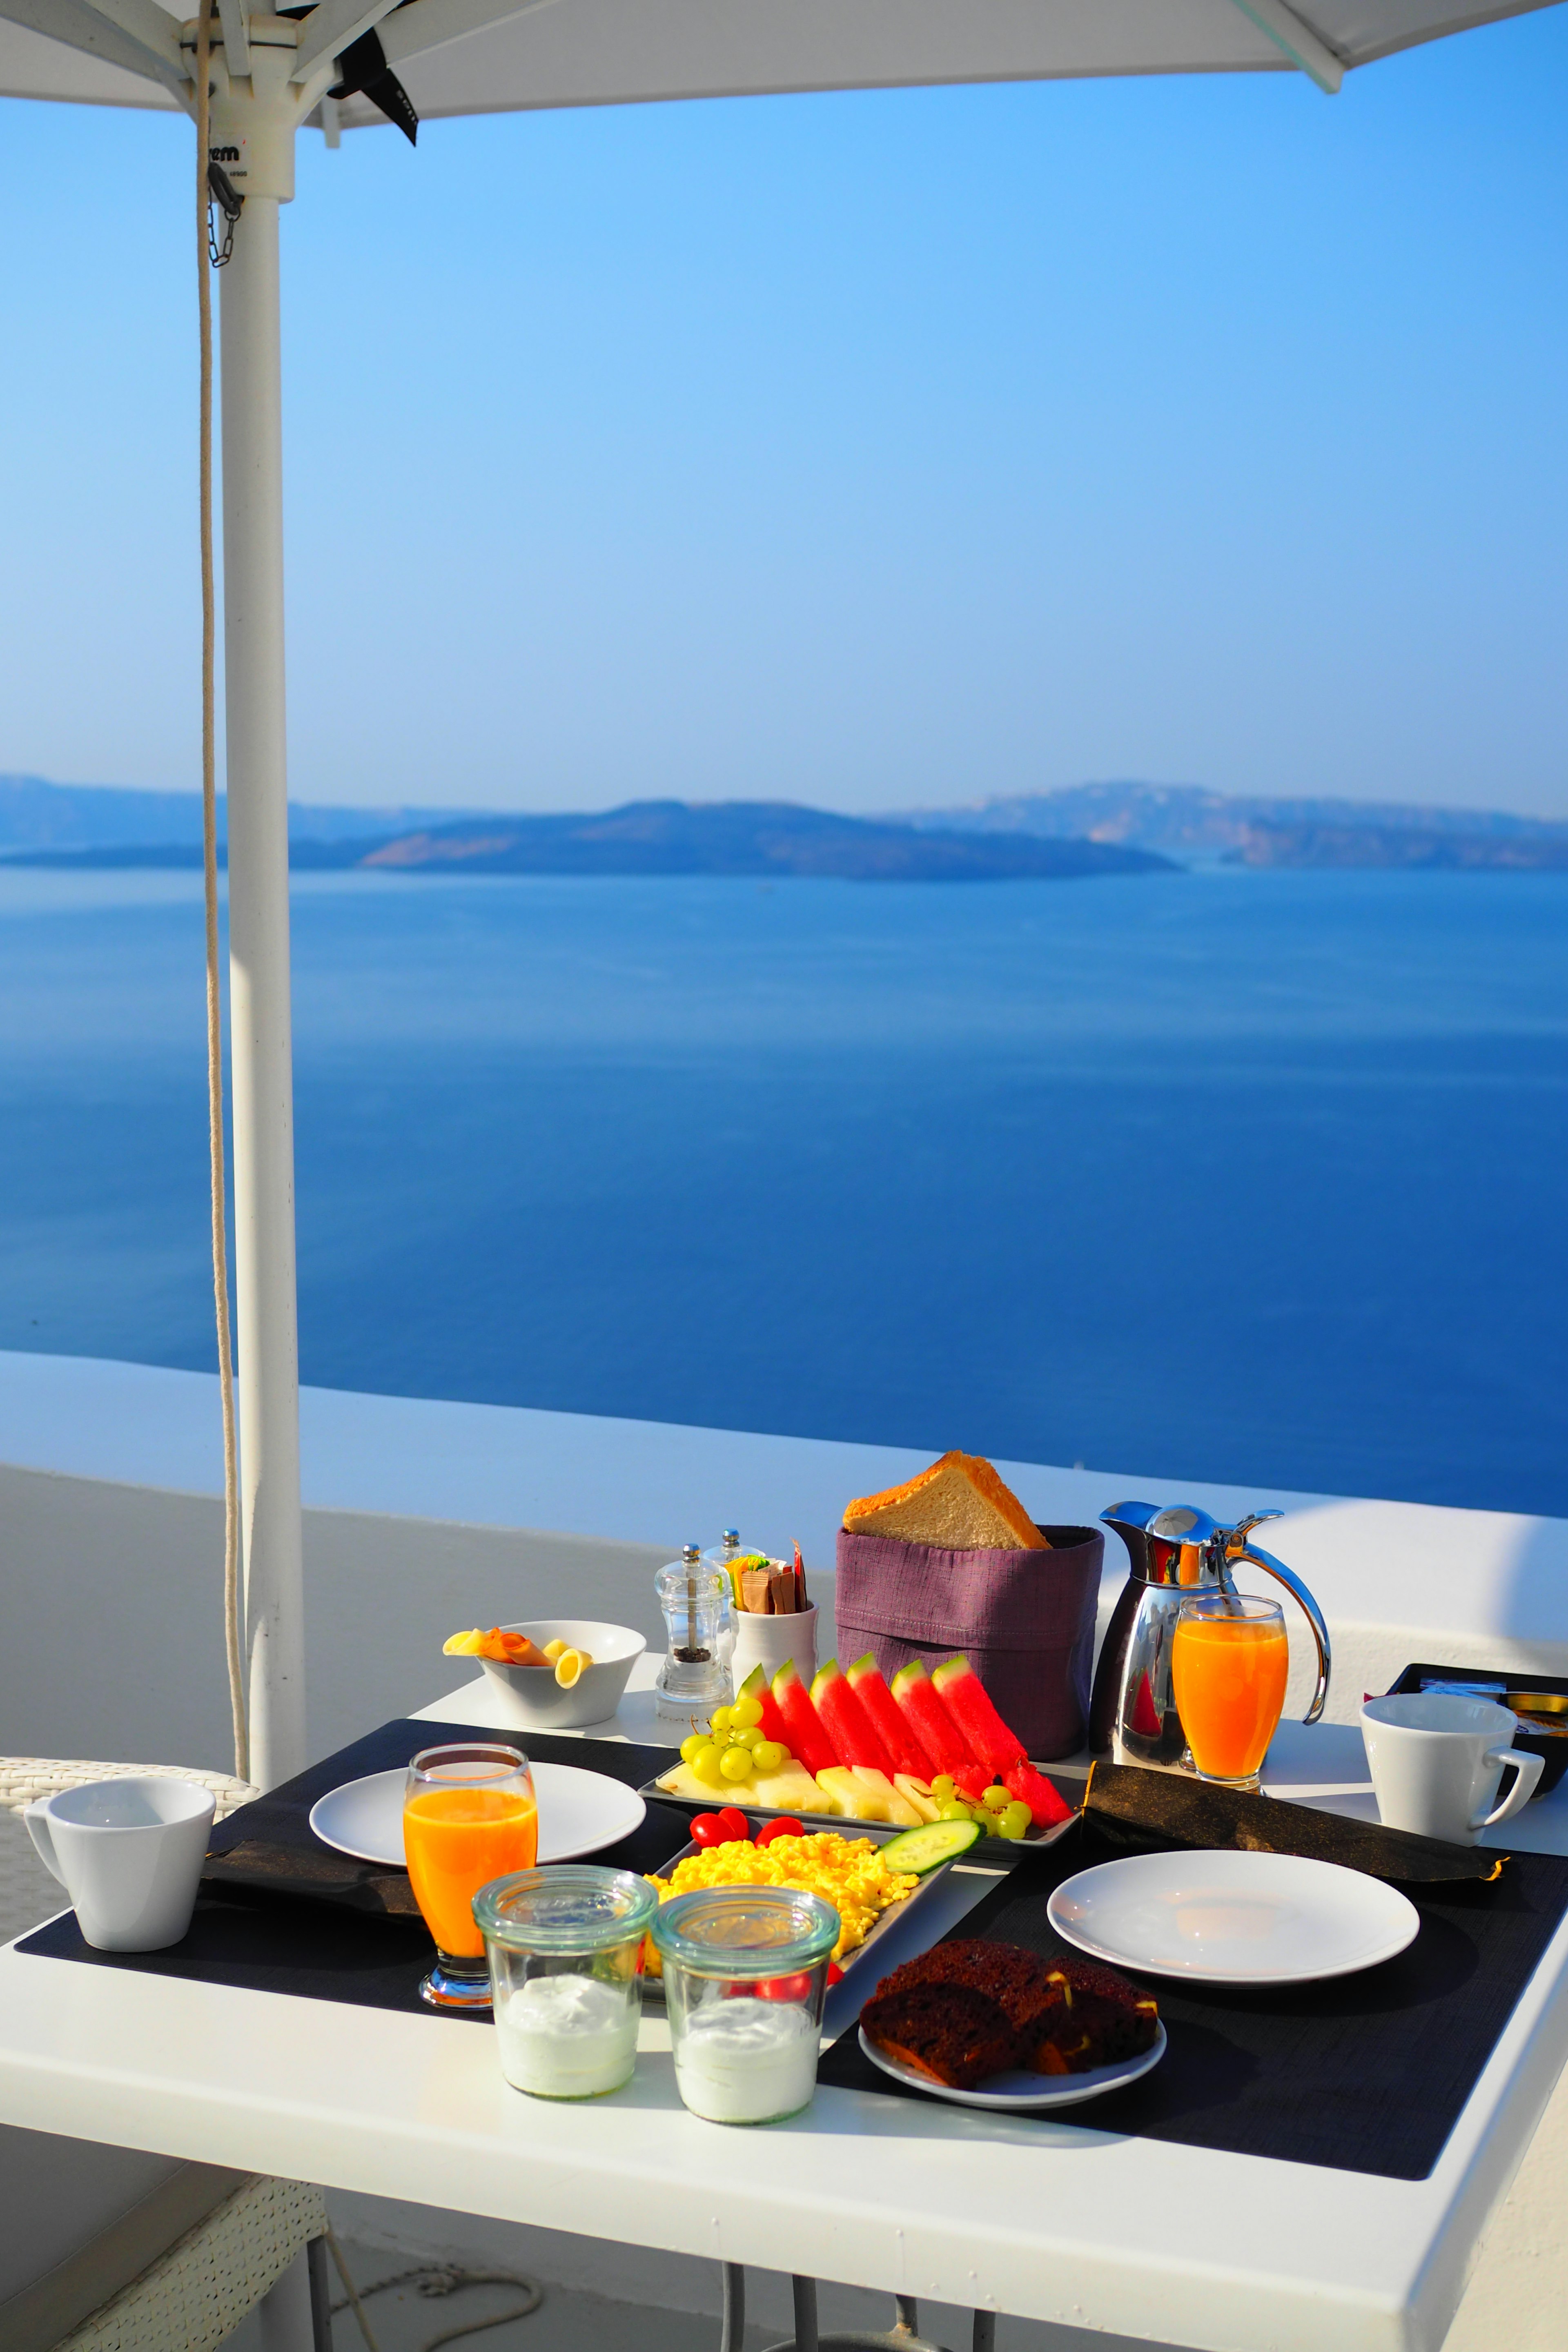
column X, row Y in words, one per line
column 994, row 2025
column 1019, row 2092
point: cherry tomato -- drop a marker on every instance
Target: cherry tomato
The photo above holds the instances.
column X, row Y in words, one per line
column 785, row 1987
column 741, row 1991
column 726, row 1828
column 785, row 1826
column 834, row 1974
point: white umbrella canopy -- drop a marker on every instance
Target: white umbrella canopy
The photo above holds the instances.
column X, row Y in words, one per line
column 330, row 65
column 465, row 57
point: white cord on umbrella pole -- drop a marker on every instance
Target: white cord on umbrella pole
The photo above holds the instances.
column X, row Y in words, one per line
column 231, row 1594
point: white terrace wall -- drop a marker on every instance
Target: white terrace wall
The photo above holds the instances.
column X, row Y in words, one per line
column 422, row 1516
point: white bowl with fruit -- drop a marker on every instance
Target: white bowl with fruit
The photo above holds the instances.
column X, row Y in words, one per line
column 553, row 1674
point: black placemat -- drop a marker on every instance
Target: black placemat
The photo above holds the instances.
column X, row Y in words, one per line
column 1366, row 2073
column 324, row 1951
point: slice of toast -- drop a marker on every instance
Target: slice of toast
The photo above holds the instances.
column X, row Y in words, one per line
column 959, row 1504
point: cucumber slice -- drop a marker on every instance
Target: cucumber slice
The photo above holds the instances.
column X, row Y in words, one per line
column 931, row 1845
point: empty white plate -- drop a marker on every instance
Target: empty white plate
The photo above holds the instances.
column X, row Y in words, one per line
column 1232, row 1918
column 579, row 1812
column 1025, row 2093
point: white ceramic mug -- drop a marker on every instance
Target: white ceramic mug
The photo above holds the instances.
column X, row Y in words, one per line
column 129, row 1853
column 1436, row 1761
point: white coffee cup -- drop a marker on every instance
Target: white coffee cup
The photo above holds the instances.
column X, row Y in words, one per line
column 1436, row 1762
column 129, row 1853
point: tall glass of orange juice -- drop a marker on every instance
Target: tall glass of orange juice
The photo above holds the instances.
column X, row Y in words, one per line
column 1229, row 1660
column 469, row 1816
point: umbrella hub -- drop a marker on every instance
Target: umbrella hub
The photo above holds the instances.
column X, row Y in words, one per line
column 253, row 116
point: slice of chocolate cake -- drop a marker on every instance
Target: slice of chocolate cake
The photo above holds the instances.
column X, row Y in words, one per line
column 970, row 2009
column 964, row 2010
column 948, row 2032
column 1101, row 2020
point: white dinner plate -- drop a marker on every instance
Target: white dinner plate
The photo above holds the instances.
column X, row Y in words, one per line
column 1232, row 1918
column 579, row 1812
column 1022, row 2094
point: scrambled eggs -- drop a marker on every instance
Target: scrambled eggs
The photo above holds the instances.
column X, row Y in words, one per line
column 848, row 1873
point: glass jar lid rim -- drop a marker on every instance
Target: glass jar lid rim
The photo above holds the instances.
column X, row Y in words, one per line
column 565, row 1907
column 677, row 1929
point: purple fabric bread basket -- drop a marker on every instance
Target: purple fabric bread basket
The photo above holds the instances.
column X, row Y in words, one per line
column 1025, row 1620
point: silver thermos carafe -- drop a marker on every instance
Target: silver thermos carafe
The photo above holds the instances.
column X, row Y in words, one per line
column 1175, row 1552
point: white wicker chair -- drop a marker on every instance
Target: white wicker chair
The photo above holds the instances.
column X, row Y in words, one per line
column 107, row 2250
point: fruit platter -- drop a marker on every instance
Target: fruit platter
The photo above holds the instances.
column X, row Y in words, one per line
column 927, row 1749
column 869, row 1877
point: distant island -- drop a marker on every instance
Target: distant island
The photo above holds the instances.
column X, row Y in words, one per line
column 1079, row 830
column 1186, row 822
column 649, row 837
column 1542, row 849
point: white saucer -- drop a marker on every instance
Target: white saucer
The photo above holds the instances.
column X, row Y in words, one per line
column 1232, row 1918
column 579, row 1812
column 1022, row 2094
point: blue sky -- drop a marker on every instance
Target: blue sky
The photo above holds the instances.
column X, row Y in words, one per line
column 871, row 449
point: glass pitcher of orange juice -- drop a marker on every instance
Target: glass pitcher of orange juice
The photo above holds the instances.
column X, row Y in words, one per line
column 469, row 1816
column 1229, row 1661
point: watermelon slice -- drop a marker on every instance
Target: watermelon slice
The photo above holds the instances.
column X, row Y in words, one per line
column 804, row 1736
column 757, row 1685
column 972, row 1780
column 965, row 1697
column 1046, row 1807
column 891, row 1727
column 921, row 1703
column 846, row 1721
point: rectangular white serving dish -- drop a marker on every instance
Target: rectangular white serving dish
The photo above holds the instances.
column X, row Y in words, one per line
column 988, row 1853
column 879, row 1833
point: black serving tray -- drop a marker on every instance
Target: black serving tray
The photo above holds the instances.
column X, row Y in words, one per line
column 1550, row 1747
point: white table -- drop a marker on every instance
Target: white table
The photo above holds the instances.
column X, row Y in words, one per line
column 1168, row 2243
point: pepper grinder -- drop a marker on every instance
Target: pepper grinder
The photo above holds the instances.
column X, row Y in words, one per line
column 695, row 1676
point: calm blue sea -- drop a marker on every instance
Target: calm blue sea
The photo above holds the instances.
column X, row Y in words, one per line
column 1245, row 1176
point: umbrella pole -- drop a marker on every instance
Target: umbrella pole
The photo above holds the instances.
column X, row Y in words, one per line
column 260, row 1022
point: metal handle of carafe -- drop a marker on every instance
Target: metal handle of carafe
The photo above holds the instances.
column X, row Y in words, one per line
column 1308, row 1607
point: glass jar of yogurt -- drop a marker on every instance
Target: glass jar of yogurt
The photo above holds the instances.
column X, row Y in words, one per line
column 564, row 1947
column 745, row 1968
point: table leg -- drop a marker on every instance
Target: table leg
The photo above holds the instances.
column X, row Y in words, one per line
column 805, row 2314
column 287, row 2321
column 734, row 2338
column 904, row 2335
column 321, row 2295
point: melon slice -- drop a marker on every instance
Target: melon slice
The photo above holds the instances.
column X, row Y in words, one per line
column 890, row 1799
column 804, row 1736
column 846, row 1721
column 1047, row 1808
column 969, row 1703
column 757, row 1685
column 860, row 1803
column 896, row 1734
column 916, row 1792
column 945, row 1747
column 790, row 1790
